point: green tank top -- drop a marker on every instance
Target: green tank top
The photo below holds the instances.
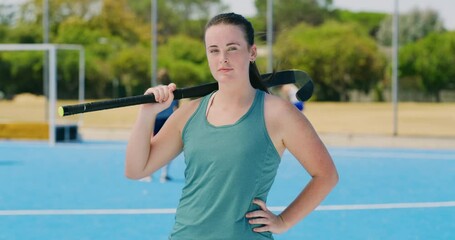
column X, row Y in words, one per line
column 226, row 168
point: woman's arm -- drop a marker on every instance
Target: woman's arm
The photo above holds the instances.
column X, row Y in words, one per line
column 290, row 129
column 300, row 138
column 146, row 153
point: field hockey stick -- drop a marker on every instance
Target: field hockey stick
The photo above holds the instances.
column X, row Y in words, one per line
column 297, row 77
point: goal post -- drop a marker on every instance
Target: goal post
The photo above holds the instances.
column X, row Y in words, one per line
column 52, row 51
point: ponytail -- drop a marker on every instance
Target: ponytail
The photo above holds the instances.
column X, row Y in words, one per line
column 256, row 80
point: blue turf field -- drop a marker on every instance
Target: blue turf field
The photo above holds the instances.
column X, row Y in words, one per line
column 78, row 191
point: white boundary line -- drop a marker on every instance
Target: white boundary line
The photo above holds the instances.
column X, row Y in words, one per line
column 173, row 210
column 378, row 206
column 392, row 156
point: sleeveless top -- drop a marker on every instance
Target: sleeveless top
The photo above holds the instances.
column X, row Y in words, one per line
column 226, row 168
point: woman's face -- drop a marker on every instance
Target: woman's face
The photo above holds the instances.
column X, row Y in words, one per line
column 228, row 53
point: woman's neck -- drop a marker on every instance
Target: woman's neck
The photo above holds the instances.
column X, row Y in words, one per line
column 229, row 95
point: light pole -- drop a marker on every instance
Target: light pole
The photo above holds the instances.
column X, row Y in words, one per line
column 395, row 68
column 45, row 21
column 270, row 35
column 46, row 53
column 154, row 44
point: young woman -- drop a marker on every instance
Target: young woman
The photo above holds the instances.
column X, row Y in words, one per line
column 232, row 141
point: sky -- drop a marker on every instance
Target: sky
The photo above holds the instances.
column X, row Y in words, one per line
column 445, row 8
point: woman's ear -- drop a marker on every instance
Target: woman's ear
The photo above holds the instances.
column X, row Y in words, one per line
column 253, row 53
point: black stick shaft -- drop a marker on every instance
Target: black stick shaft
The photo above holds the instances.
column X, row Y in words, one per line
column 197, row 91
column 280, row 78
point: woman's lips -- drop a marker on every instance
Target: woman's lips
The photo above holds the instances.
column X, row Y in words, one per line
column 224, row 69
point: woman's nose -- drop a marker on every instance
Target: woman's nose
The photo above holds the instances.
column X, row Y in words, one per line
column 224, row 58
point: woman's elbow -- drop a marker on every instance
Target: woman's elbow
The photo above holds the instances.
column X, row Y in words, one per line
column 329, row 177
column 130, row 176
column 333, row 177
column 133, row 175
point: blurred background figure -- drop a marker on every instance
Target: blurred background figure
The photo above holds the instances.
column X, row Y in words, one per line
column 288, row 92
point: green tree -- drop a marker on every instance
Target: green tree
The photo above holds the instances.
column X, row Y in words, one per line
column 7, row 14
column 288, row 13
column 75, row 30
column 371, row 21
column 118, row 20
column 430, row 62
column 131, row 68
column 169, row 21
column 339, row 57
column 185, row 59
column 412, row 26
column 24, row 33
column 22, row 72
column 31, row 12
column 177, row 16
column 119, row 44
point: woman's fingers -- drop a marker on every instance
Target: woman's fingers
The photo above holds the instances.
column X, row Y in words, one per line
column 261, row 204
column 269, row 221
column 257, row 214
column 161, row 92
column 172, row 86
column 163, row 96
column 261, row 220
column 265, row 228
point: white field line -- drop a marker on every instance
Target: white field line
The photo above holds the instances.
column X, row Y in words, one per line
column 87, row 212
column 394, row 155
column 173, row 210
column 377, row 206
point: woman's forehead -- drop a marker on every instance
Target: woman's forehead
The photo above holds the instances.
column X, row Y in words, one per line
column 224, row 33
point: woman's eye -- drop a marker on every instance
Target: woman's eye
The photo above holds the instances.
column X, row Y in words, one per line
column 232, row 49
column 213, row 50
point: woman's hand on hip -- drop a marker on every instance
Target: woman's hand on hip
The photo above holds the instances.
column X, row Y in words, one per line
column 269, row 221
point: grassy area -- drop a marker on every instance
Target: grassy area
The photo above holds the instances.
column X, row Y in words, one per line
column 414, row 119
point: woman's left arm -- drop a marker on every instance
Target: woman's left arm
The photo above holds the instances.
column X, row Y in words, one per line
column 301, row 139
column 291, row 130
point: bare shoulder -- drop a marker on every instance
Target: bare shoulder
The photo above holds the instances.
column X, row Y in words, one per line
column 184, row 112
column 277, row 108
column 283, row 120
column 189, row 106
column 290, row 129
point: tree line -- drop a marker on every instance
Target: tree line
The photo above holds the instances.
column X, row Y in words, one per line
column 341, row 50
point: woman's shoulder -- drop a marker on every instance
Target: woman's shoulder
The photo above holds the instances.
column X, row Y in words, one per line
column 281, row 111
column 188, row 107
column 277, row 105
column 281, row 118
column 185, row 110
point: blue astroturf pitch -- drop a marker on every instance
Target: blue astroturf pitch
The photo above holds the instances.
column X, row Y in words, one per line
column 78, row 191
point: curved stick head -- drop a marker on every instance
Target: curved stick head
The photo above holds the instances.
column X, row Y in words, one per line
column 305, row 85
column 297, row 77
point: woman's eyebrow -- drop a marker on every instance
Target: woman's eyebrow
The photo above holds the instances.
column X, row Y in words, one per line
column 233, row 43
column 229, row 44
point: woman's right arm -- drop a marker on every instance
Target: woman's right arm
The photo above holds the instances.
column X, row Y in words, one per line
column 146, row 153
